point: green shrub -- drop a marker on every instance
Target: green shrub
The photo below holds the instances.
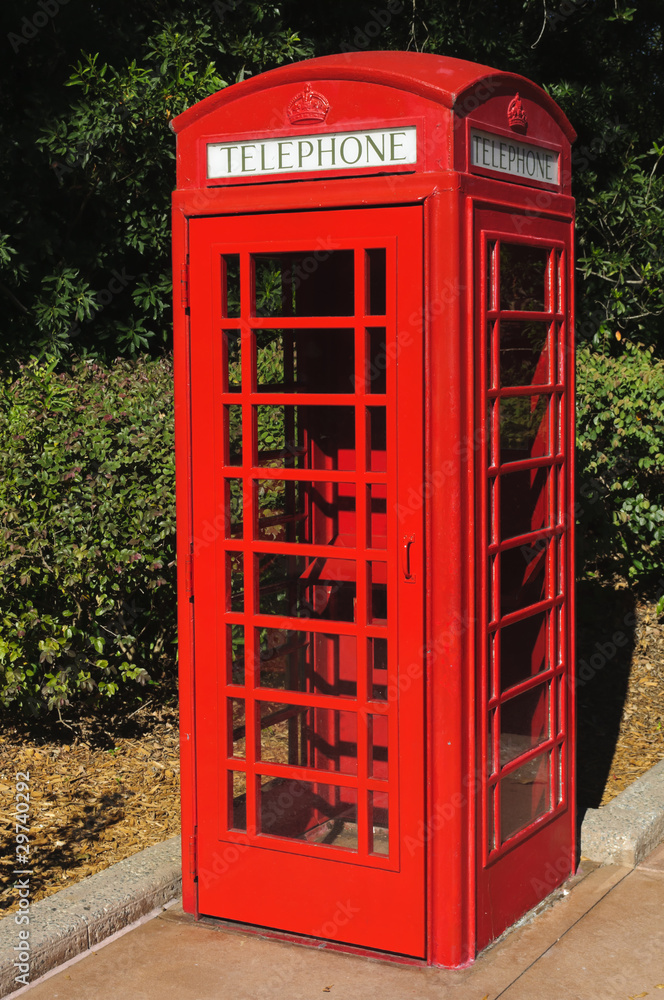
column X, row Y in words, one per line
column 87, row 531
column 620, row 441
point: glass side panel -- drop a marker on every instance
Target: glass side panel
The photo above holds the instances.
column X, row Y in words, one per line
column 525, row 795
column 524, row 722
column 320, row 437
column 523, row 277
column 378, row 669
column 378, row 741
column 233, row 508
column 524, row 428
column 523, row 576
column 523, row 650
column 307, row 661
column 524, row 353
column 303, row 810
column 314, row 283
column 236, row 727
column 233, row 435
column 524, row 502
column 308, row 737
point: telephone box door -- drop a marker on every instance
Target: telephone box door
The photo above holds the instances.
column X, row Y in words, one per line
column 307, row 540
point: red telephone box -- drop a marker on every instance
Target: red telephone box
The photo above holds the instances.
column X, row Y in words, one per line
column 374, row 397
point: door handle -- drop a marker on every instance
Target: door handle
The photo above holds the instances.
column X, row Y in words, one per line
column 405, row 558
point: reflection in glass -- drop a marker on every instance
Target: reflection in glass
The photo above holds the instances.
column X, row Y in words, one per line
column 314, row 283
column 312, row 361
column 525, row 795
column 294, row 586
column 523, row 277
column 236, row 728
column 235, row 653
column 524, row 722
column 524, row 355
column 523, row 650
column 379, row 823
column 308, row 811
column 524, row 428
column 237, row 800
column 230, row 285
column 375, row 281
column 378, row 669
column 232, row 374
column 524, row 502
column 523, row 576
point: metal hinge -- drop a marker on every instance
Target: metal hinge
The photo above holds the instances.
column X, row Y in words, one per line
column 184, row 286
column 193, row 859
column 189, row 574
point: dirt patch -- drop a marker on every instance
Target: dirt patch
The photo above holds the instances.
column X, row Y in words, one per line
column 99, row 794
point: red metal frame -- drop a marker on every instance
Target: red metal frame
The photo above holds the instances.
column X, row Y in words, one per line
column 469, row 896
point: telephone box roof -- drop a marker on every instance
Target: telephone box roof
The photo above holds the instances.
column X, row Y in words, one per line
column 438, row 78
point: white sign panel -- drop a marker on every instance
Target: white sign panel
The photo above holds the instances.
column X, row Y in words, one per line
column 333, row 151
column 512, row 157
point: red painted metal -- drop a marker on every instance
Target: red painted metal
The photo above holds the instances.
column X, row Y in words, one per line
column 392, row 508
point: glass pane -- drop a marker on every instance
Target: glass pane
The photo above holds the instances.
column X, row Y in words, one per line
column 308, row 737
column 236, row 727
column 235, row 653
column 375, row 279
column 523, row 576
column 305, row 360
column 376, row 439
column 283, row 733
column 523, row 277
column 378, row 762
column 524, row 428
column 237, row 800
column 524, row 355
column 525, row 795
column 524, row 722
column 377, row 360
column 524, row 502
column 379, row 821
column 232, row 374
column 308, row 811
column 378, row 669
column 377, row 512
column 306, row 588
column 377, row 593
column 323, row 435
column 234, row 502
column 523, row 650
column 315, row 283
column 490, row 275
column 230, row 285
column 233, row 435
column 234, row 581
column 307, row 661
column 281, row 511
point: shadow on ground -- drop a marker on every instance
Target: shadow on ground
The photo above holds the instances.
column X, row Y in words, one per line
column 606, row 620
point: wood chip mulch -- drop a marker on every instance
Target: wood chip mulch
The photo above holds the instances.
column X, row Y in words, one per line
column 100, row 793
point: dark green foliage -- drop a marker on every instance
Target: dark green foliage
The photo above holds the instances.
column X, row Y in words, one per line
column 620, row 409
column 87, row 579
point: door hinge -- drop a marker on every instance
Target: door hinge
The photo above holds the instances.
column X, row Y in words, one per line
column 189, row 575
column 184, row 286
column 193, row 858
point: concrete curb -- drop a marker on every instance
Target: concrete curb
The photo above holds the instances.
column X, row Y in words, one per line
column 83, row 915
column 626, row 830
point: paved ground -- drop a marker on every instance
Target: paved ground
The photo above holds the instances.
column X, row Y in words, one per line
column 603, row 939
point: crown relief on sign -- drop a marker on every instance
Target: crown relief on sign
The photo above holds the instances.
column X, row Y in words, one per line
column 308, row 106
column 516, row 116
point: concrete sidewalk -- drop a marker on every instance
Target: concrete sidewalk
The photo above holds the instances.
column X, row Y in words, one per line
column 601, row 938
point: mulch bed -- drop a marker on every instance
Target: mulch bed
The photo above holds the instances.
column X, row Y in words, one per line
column 100, row 792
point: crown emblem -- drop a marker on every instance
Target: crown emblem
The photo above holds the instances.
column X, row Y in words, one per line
column 516, row 116
column 309, row 106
